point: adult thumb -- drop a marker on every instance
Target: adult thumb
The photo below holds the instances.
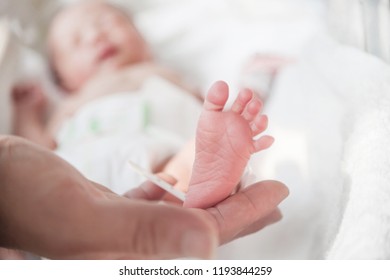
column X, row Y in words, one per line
column 146, row 230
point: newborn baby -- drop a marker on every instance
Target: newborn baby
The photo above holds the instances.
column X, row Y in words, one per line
column 95, row 50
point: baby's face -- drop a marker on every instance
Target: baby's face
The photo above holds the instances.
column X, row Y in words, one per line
column 93, row 38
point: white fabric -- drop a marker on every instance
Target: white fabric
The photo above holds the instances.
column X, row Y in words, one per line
column 145, row 126
column 330, row 116
column 363, row 82
column 365, row 226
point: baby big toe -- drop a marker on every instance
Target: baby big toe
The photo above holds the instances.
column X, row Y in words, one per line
column 217, row 97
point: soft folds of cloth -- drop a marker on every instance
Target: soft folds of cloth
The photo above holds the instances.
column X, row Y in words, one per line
column 146, row 126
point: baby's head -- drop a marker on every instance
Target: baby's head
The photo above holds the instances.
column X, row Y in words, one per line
column 91, row 38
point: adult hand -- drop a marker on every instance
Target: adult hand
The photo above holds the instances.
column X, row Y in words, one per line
column 48, row 208
column 243, row 213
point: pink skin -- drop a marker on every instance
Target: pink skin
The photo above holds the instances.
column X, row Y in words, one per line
column 224, row 144
column 93, row 38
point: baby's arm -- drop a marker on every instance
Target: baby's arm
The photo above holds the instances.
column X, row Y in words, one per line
column 29, row 106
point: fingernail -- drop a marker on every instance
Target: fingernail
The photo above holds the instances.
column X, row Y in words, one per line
column 198, row 244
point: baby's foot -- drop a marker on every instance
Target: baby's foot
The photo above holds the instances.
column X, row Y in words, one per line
column 224, row 144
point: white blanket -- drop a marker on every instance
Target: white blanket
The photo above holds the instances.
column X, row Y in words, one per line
column 363, row 81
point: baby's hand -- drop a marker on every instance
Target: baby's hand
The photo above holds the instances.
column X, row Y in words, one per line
column 30, row 113
column 28, row 96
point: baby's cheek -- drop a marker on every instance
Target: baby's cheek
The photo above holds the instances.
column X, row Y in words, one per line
column 77, row 76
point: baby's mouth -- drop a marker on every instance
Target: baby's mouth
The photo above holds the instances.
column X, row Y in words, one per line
column 107, row 52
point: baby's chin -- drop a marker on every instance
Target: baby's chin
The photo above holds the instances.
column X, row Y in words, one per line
column 107, row 69
column 117, row 63
column 113, row 64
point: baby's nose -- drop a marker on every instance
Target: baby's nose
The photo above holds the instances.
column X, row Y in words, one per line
column 93, row 36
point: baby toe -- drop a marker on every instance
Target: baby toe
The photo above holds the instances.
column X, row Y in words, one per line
column 259, row 124
column 252, row 110
column 242, row 100
column 263, row 143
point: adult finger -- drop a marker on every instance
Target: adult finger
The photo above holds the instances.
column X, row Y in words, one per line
column 243, row 209
column 272, row 218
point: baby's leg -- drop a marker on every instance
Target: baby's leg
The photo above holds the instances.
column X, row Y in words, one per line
column 180, row 166
column 224, row 144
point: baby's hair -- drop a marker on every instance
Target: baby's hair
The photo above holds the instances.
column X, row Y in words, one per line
column 49, row 53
